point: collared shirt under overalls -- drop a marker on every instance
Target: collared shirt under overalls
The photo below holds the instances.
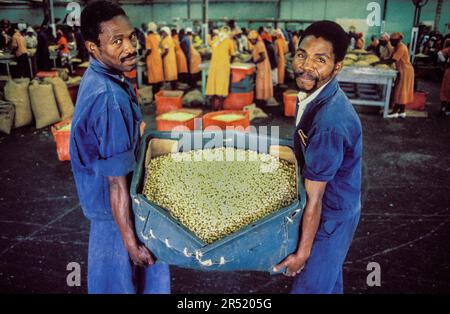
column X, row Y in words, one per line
column 105, row 142
column 328, row 147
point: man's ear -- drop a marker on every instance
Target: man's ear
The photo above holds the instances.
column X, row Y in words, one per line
column 91, row 47
column 338, row 67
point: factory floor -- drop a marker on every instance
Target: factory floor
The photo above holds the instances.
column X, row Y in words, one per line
column 404, row 227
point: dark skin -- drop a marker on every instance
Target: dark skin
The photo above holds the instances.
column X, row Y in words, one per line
column 394, row 43
column 117, row 50
column 314, row 65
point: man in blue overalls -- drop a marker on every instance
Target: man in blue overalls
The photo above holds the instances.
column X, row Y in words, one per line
column 328, row 145
column 103, row 148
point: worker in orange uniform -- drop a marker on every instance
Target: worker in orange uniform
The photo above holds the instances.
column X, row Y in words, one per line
column 63, row 47
column 281, row 48
column 169, row 58
column 182, row 67
column 196, row 59
column 404, row 85
column 155, row 73
column 264, row 87
column 19, row 47
column 218, row 82
column 444, row 56
column 360, row 42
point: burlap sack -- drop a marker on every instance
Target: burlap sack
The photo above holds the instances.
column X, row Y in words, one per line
column 146, row 94
column 193, row 97
column 7, row 110
column 43, row 103
column 62, row 95
column 16, row 91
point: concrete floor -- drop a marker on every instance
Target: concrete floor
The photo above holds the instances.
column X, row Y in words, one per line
column 405, row 224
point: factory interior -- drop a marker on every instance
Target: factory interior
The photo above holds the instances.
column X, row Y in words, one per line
column 238, row 66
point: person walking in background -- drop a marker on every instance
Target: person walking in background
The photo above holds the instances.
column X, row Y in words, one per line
column 19, row 48
column 169, row 58
column 182, row 68
column 404, row 85
column 264, row 86
column 196, row 60
column 281, row 48
column 155, row 72
column 217, row 86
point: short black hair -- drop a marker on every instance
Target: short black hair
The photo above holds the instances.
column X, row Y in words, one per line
column 332, row 32
column 94, row 14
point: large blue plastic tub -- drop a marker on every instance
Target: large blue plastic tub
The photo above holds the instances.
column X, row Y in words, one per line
column 257, row 247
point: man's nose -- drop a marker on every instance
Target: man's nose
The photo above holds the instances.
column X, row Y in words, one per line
column 129, row 47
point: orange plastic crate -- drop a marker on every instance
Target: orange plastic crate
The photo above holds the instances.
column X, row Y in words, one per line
column 238, row 101
column 290, row 102
column 168, row 100
column 209, row 121
column 62, row 139
column 168, row 125
column 42, row 74
column 238, row 75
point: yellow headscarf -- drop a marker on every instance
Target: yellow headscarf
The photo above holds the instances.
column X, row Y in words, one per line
column 253, row 35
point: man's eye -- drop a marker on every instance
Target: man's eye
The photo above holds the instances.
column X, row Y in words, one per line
column 133, row 37
column 300, row 55
column 321, row 60
column 117, row 42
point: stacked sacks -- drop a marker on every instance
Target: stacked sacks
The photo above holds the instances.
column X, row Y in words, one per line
column 43, row 104
column 7, row 111
column 16, row 92
column 146, row 94
column 62, row 96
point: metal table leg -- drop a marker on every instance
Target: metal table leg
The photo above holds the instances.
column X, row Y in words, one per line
column 387, row 98
column 203, row 82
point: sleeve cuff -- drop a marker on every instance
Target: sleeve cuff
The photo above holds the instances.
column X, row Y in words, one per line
column 117, row 165
column 316, row 177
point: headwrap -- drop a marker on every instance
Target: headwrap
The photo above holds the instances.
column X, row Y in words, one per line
column 384, row 36
column 166, row 30
column 253, row 35
column 397, row 35
column 152, row 27
column 188, row 30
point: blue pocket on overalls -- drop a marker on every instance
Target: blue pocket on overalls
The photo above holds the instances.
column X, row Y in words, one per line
column 327, row 228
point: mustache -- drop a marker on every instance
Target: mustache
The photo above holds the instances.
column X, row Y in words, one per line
column 130, row 56
column 306, row 75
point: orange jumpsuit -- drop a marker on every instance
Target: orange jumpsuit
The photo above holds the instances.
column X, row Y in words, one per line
column 281, row 48
column 65, row 46
column 264, row 87
column 170, row 60
column 154, row 61
column 445, row 87
column 181, row 58
column 196, row 59
column 404, row 88
column 219, row 68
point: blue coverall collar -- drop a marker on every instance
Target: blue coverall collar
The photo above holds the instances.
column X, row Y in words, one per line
column 99, row 67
